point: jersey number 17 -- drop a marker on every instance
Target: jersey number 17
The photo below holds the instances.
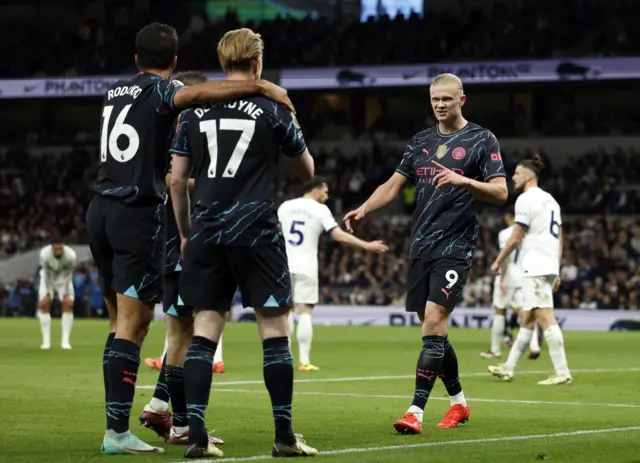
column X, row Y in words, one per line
column 210, row 129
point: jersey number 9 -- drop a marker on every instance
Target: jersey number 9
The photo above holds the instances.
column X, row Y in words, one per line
column 297, row 232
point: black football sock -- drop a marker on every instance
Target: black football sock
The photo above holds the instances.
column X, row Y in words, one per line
column 449, row 371
column 105, row 363
column 175, row 382
column 277, row 368
column 197, row 386
column 429, row 364
column 124, row 360
column 162, row 388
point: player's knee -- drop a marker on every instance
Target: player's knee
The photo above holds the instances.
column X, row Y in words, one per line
column 209, row 324
column 435, row 320
column 273, row 322
column 545, row 318
column 45, row 304
column 67, row 304
column 305, row 309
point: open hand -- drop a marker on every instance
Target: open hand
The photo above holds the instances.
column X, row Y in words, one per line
column 377, row 246
column 358, row 214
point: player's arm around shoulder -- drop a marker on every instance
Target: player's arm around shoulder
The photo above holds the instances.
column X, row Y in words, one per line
column 225, row 90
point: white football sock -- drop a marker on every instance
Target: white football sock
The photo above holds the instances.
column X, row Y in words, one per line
column 555, row 341
column 217, row 357
column 305, row 335
column 458, row 399
column 166, row 345
column 534, row 345
column 45, row 327
column 291, row 327
column 519, row 346
column 67, row 324
column 417, row 411
column 158, row 405
column 497, row 329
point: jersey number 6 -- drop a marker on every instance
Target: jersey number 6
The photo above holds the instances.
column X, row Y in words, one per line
column 554, row 227
column 297, row 232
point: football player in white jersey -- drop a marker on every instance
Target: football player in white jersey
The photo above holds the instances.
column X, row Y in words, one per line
column 538, row 231
column 57, row 262
column 507, row 293
column 303, row 220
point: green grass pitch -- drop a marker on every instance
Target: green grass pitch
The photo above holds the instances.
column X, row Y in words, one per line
column 52, row 409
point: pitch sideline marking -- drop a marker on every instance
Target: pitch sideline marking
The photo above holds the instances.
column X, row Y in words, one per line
column 376, row 378
column 584, row 432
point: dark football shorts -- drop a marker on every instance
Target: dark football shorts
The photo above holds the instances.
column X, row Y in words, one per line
column 127, row 242
column 439, row 280
column 211, row 273
column 172, row 303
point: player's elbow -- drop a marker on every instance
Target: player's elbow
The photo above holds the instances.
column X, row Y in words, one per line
column 338, row 235
column 501, row 194
column 178, row 184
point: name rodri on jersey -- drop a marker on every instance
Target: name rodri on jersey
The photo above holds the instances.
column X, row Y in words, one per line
column 234, row 148
column 444, row 221
column 137, row 120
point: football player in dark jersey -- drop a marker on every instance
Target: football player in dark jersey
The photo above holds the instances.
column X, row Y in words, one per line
column 232, row 238
column 455, row 166
column 126, row 217
column 179, row 317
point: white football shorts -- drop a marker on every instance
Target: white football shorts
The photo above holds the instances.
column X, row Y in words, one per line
column 538, row 292
column 305, row 289
column 60, row 290
column 512, row 299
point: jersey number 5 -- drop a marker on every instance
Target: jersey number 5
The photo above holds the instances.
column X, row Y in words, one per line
column 297, row 232
column 210, row 129
column 109, row 141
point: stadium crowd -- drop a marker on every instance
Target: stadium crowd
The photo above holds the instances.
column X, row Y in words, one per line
column 501, row 30
column 600, row 268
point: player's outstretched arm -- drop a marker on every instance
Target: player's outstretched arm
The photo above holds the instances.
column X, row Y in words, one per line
column 380, row 198
column 341, row 236
column 180, row 172
column 224, row 90
column 514, row 240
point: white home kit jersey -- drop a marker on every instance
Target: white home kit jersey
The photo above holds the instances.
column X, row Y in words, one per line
column 56, row 274
column 539, row 253
column 513, row 273
column 303, row 220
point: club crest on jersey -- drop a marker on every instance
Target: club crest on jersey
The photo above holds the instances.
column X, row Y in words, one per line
column 441, row 151
column 458, row 153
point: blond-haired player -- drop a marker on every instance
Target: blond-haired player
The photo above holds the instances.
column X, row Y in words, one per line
column 57, row 262
column 303, row 220
column 538, row 231
column 455, row 166
column 232, row 238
